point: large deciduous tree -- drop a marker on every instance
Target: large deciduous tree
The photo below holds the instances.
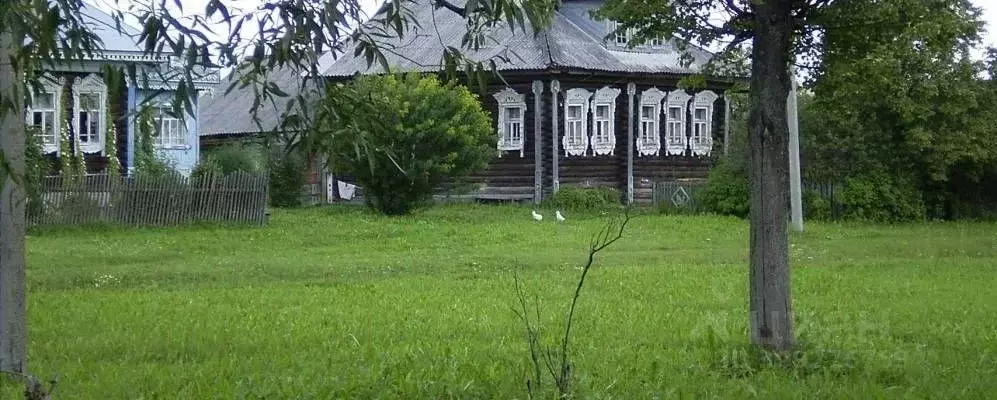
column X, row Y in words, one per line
column 285, row 35
column 822, row 36
column 899, row 104
column 774, row 29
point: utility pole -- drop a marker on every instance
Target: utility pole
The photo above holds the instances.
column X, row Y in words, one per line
column 795, row 189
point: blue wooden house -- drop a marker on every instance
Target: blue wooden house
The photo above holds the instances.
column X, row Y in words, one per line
column 79, row 110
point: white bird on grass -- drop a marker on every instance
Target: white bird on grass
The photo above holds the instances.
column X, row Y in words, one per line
column 537, row 217
column 557, row 214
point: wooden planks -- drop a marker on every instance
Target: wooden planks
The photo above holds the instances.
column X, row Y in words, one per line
column 152, row 200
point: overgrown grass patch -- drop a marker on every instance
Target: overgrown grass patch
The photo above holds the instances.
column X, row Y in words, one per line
column 342, row 303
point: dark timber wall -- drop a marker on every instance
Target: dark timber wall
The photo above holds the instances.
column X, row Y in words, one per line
column 511, row 176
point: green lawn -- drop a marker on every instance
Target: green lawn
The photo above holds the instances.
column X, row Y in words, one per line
column 340, row 303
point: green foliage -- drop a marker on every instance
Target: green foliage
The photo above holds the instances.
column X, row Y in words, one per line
column 693, row 207
column 80, row 207
column 880, row 197
column 805, row 361
column 726, row 190
column 115, row 83
column 232, row 157
column 36, row 166
column 815, row 206
column 147, row 161
column 902, row 97
column 878, row 314
column 68, row 156
column 206, row 166
column 403, row 136
column 576, row 198
column 286, row 172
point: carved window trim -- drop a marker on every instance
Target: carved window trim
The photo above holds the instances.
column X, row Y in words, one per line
column 511, row 131
column 575, row 140
column 675, row 134
column 90, row 139
column 701, row 141
column 603, row 138
column 649, row 131
column 50, row 137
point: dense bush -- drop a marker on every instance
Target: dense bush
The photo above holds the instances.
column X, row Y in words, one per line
column 726, row 191
column 206, row 167
column 286, row 177
column 147, row 161
column 403, row 136
column 583, row 198
column 35, row 168
column 815, row 206
column 232, row 157
column 881, row 197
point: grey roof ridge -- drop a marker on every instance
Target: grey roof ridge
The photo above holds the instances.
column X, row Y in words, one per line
column 573, row 24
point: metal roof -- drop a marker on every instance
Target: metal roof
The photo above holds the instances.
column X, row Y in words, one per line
column 573, row 41
column 102, row 25
column 224, row 114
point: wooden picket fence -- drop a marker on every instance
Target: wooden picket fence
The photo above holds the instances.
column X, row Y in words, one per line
column 678, row 195
column 685, row 196
column 151, row 200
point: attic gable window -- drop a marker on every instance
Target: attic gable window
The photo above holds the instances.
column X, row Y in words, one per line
column 512, row 109
column 576, row 109
column 620, row 38
column 623, row 38
column 604, row 137
column 648, row 138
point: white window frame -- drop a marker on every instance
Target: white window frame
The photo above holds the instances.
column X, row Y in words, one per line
column 507, row 140
column 620, row 38
column 702, row 132
column 90, row 85
column 576, row 140
column 676, row 133
column 49, row 140
column 604, row 144
column 649, row 140
column 170, row 140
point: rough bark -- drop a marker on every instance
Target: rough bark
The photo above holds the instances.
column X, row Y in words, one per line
column 771, row 317
column 13, row 318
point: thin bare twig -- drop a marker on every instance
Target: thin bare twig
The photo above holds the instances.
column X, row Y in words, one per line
column 556, row 362
column 615, row 227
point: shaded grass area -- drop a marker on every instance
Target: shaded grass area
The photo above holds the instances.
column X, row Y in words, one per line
column 341, row 303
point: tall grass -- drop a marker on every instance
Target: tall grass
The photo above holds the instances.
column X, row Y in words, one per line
column 341, row 303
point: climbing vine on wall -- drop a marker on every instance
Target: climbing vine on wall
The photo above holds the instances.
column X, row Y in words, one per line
column 147, row 162
column 111, row 144
column 67, row 155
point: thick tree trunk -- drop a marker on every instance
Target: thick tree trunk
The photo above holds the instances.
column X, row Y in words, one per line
column 13, row 317
column 771, row 316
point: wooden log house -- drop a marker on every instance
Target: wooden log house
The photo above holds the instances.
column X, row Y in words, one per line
column 576, row 105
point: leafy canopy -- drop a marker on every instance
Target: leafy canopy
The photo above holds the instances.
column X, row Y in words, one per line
column 421, row 133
